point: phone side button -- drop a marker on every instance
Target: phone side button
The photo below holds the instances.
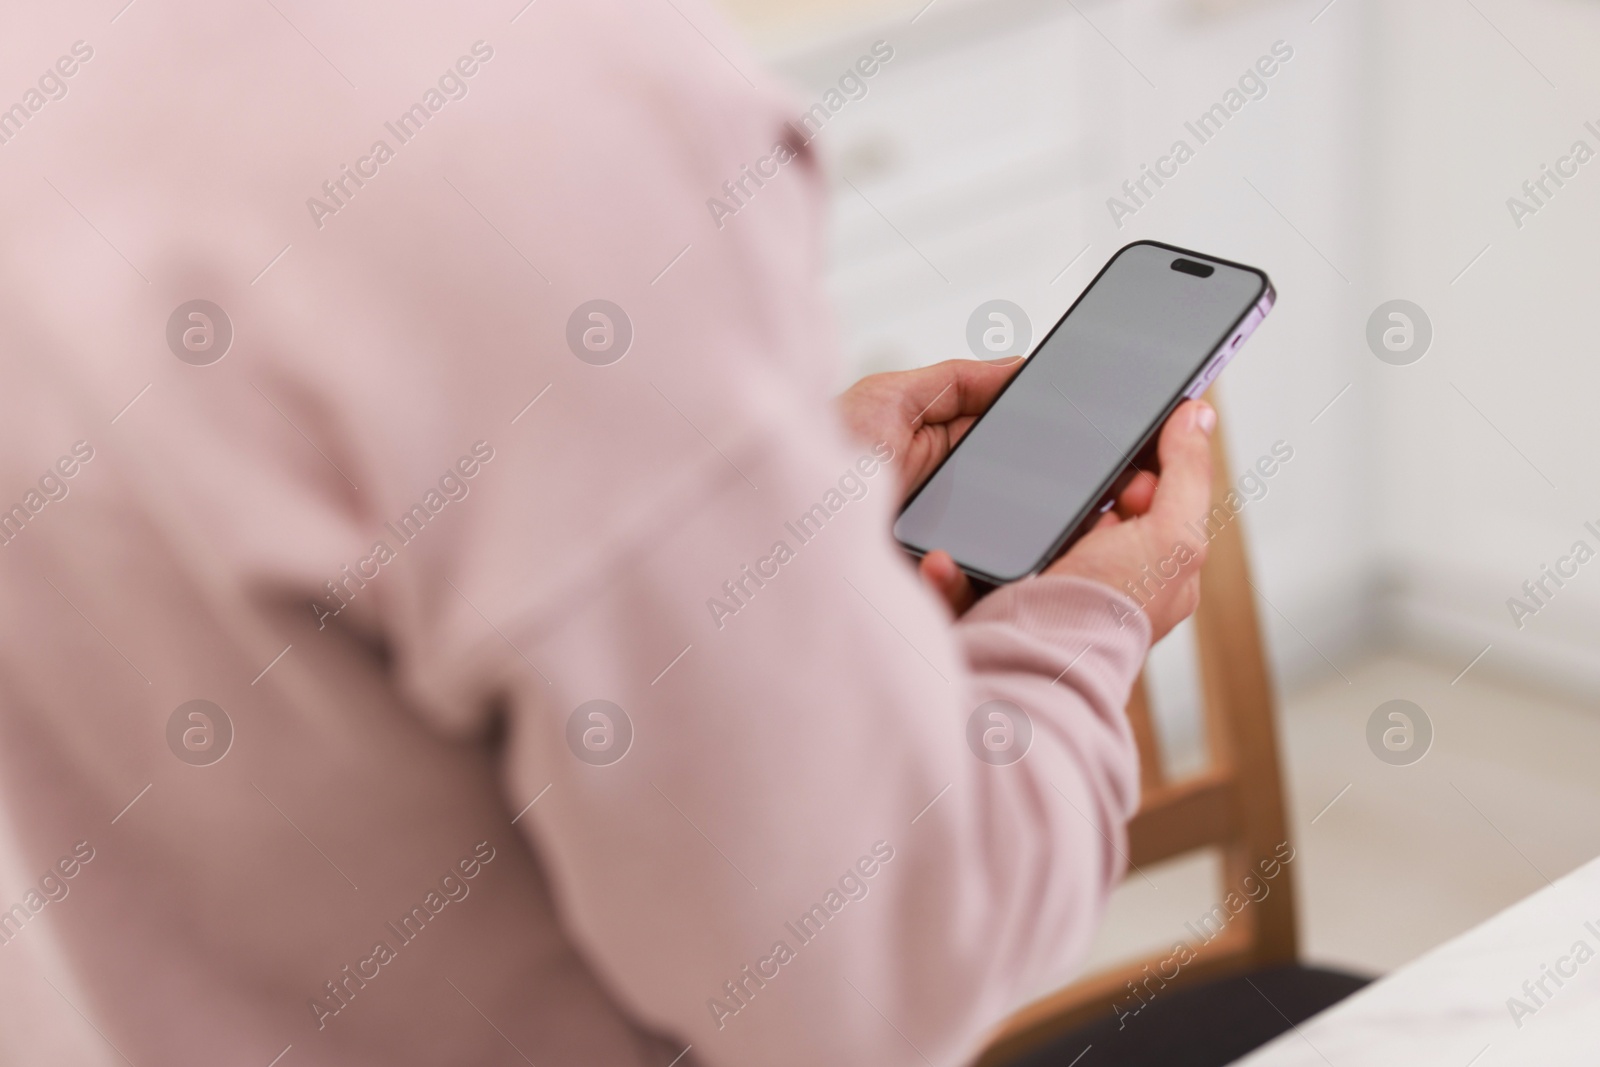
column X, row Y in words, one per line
column 1214, row 368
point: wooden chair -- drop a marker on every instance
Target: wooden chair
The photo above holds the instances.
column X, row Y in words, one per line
column 1234, row 805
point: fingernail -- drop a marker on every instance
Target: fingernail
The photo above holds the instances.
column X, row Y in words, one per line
column 1004, row 361
column 1205, row 417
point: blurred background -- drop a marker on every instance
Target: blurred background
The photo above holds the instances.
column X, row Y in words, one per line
column 1375, row 164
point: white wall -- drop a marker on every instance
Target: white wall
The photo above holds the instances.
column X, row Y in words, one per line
column 1464, row 119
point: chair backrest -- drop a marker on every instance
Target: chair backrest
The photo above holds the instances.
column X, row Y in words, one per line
column 1234, row 805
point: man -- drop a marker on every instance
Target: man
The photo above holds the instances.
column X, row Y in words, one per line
column 408, row 659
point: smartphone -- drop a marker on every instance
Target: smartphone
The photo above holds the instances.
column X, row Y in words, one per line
column 1076, row 422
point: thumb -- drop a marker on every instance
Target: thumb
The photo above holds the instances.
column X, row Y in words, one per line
column 1183, row 493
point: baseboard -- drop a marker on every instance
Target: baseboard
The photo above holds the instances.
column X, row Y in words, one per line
column 1549, row 660
column 1445, row 618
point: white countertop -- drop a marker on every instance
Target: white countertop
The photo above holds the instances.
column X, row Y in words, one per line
column 1452, row 1007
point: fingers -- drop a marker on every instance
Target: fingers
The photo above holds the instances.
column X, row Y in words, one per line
column 956, row 388
column 1138, row 496
column 1155, row 558
column 946, row 579
column 1183, row 494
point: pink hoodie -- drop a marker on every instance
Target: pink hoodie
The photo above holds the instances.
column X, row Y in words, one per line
column 308, row 590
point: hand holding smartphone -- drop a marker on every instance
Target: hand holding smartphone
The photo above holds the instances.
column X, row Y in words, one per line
column 1058, row 444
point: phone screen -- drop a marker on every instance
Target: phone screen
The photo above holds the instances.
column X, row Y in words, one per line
column 1041, row 459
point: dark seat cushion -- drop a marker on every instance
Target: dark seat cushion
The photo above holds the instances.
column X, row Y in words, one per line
column 1205, row 1026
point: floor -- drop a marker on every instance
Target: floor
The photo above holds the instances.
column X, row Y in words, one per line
column 1393, row 860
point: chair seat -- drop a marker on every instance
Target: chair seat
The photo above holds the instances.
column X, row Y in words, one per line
column 1208, row 1025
